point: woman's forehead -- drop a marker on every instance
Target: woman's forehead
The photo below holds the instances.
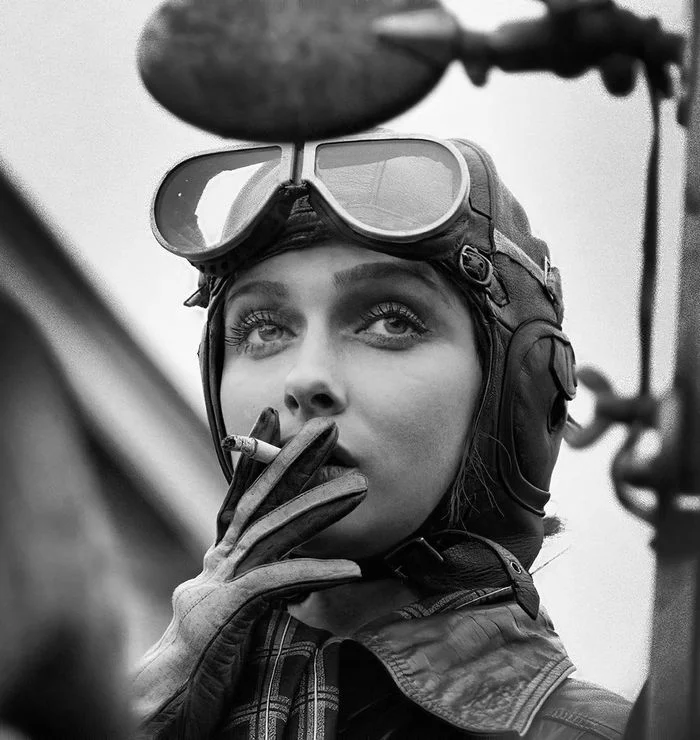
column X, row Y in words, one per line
column 329, row 255
column 339, row 262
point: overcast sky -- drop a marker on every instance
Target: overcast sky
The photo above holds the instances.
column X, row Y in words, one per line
column 88, row 143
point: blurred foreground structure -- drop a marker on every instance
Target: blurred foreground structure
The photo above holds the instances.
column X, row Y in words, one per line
column 62, row 649
column 156, row 474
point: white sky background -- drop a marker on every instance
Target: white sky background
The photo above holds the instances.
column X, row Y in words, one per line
column 89, row 144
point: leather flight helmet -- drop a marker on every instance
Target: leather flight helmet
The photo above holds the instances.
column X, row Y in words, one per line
column 528, row 363
column 504, row 274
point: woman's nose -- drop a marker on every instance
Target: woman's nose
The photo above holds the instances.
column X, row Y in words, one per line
column 312, row 387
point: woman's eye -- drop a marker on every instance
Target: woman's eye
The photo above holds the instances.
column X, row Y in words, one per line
column 266, row 333
column 392, row 322
column 394, row 325
column 258, row 331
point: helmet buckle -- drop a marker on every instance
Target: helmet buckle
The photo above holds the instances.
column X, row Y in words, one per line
column 416, row 553
column 475, row 267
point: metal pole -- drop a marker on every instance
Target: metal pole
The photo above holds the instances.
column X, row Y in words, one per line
column 673, row 708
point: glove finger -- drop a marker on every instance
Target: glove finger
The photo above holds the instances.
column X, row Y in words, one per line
column 287, row 577
column 287, row 475
column 228, row 613
column 266, row 428
column 275, row 535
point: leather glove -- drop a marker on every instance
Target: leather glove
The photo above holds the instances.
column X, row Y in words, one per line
column 187, row 679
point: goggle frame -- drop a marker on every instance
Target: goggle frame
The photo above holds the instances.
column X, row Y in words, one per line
column 297, row 167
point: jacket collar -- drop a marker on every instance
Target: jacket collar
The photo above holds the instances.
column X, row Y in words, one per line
column 473, row 660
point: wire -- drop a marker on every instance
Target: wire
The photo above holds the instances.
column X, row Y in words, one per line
column 647, row 296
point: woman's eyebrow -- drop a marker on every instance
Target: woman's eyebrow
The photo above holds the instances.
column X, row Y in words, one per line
column 344, row 278
column 270, row 288
column 391, row 271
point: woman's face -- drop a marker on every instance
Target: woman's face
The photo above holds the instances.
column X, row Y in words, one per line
column 383, row 346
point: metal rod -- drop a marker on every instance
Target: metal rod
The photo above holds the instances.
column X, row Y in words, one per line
column 674, row 674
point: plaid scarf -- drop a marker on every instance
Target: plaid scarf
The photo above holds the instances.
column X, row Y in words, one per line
column 289, row 686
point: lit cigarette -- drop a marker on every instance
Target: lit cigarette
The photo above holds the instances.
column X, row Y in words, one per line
column 257, row 449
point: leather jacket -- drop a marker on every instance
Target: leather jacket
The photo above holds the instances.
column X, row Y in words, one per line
column 470, row 664
column 488, row 670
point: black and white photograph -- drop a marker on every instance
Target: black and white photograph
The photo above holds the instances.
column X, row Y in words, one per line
column 351, row 370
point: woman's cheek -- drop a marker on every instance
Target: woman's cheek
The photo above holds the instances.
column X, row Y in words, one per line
column 424, row 411
column 433, row 391
column 243, row 396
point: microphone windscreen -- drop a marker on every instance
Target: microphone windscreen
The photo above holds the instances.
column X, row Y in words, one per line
column 282, row 70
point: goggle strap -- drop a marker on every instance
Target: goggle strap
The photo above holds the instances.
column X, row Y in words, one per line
column 211, row 360
column 199, row 299
column 505, row 246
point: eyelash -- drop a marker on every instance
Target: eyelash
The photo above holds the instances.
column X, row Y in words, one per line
column 238, row 332
column 390, row 310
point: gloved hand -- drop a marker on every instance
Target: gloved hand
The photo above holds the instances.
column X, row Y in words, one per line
column 186, row 679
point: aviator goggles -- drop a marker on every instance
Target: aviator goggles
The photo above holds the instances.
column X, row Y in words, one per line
column 386, row 189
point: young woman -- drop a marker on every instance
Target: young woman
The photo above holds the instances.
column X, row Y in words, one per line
column 378, row 308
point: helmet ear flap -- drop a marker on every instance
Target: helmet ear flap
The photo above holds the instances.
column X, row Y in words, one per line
column 539, row 380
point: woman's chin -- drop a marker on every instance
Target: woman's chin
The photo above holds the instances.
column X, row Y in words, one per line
column 368, row 530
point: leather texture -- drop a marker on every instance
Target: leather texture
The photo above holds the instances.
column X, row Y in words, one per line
column 185, row 680
column 525, row 355
column 475, row 661
column 453, row 559
column 469, row 664
column 579, row 710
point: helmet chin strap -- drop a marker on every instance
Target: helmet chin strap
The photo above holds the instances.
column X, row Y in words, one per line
column 449, row 560
column 211, row 366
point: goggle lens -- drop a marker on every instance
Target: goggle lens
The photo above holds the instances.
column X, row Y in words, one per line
column 399, row 187
column 207, row 201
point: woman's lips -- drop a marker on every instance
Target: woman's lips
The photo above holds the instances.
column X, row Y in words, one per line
column 337, row 464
